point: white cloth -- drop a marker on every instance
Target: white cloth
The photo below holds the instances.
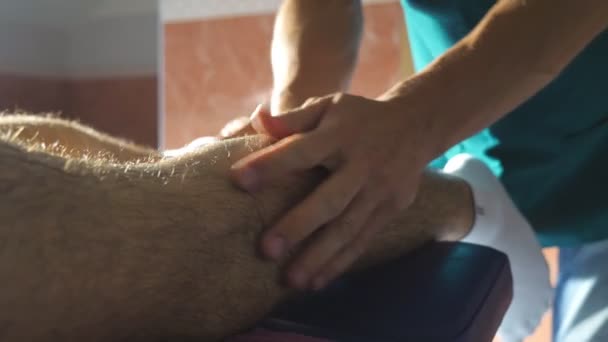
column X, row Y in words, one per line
column 500, row 225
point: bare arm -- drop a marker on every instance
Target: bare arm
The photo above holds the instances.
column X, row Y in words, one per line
column 71, row 138
column 98, row 251
column 314, row 49
column 517, row 49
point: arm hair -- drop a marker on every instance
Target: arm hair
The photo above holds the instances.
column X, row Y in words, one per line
column 163, row 249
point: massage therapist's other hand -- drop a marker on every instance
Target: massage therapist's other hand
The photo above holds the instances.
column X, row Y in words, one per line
column 375, row 154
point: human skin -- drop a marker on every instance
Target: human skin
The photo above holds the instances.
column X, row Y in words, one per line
column 98, row 247
column 513, row 52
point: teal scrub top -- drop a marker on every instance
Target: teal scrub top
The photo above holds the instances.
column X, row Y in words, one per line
column 551, row 153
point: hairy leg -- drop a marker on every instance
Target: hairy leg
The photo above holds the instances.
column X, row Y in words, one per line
column 163, row 249
column 71, row 138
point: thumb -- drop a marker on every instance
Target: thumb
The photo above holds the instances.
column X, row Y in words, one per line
column 298, row 120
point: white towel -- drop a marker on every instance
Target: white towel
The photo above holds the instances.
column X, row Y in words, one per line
column 500, row 225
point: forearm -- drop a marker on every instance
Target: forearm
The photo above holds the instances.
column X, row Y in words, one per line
column 516, row 50
column 87, row 247
column 314, row 49
column 114, row 251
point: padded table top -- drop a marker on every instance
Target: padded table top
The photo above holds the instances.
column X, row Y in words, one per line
column 442, row 292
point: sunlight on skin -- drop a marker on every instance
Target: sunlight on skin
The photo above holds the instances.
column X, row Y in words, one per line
column 197, row 143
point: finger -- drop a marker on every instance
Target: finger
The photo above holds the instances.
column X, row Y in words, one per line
column 299, row 120
column 295, row 153
column 325, row 203
column 330, row 241
column 343, row 260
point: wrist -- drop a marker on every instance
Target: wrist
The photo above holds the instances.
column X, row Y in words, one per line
column 450, row 199
column 463, row 223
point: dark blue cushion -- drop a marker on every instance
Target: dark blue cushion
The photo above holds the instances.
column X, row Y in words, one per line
column 443, row 292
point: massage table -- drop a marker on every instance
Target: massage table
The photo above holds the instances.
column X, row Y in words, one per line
column 443, row 292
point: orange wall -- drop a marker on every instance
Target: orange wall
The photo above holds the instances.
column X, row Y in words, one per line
column 31, row 93
column 123, row 106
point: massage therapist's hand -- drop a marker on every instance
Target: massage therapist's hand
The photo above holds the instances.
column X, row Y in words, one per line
column 375, row 153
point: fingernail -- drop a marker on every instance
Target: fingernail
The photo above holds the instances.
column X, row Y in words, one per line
column 298, row 279
column 245, row 176
column 275, row 247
